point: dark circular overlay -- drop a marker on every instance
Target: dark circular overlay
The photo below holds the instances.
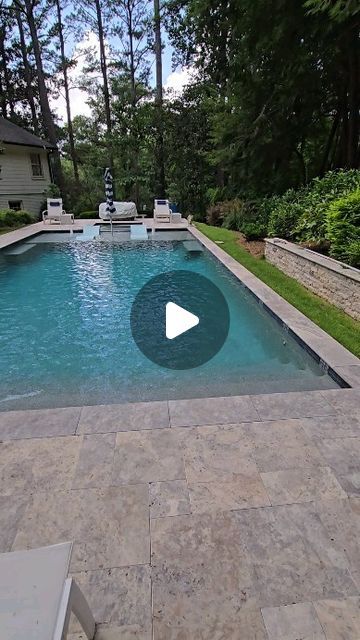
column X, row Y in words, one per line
column 192, row 292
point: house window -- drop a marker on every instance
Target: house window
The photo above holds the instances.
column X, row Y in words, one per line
column 15, row 205
column 36, row 166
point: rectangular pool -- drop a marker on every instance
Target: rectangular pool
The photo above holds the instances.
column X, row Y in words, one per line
column 65, row 335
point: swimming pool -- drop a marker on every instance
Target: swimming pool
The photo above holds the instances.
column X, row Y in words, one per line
column 66, row 338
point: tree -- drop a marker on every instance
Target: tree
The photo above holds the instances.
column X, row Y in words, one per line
column 64, row 64
column 160, row 185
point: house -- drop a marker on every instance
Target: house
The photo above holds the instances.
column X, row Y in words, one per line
column 25, row 172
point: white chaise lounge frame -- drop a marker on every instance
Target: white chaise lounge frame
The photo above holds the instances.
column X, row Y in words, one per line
column 55, row 212
column 37, row 597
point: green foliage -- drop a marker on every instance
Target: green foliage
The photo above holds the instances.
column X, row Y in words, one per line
column 10, row 218
column 337, row 323
column 301, row 214
column 343, row 228
column 284, row 218
column 88, row 215
column 253, row 230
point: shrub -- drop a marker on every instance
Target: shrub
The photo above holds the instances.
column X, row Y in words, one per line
column 254, row 230
column 88, row 215
column 343, row 228
column 283, row 219
column 10, row 218
column 216, row 213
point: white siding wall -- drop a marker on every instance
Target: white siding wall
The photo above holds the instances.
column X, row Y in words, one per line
column 17, row 181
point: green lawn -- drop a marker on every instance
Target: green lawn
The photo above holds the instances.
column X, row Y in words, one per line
column 335, row 322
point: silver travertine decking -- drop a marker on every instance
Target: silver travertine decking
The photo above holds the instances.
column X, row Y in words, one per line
column 247, row 529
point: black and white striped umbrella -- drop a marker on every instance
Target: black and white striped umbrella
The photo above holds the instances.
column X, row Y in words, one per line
column 110, row 208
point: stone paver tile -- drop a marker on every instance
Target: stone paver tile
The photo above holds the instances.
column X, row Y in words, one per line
column 293, row 622
column 212, row 411
column 214, row 453
column 247, row 625
column 342, row 454
column 169, row 498
column 95, row 461
column 301, row 485
column 247, row 491
column 110, row 527
column 124, row 417
column 344, row 400
column 342, row 521
column 282, row 445
column 199, row 565
column 278, row 406
column 340, row 619
column 338, row 426
column 147, row 456
column 293, row 555
column 38, row 423
column 38, row 464
column 12, row 508
column 120, row 600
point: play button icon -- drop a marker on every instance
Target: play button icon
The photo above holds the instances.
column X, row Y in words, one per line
column 179, row 319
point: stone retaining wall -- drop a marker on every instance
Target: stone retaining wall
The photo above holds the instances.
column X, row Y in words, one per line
column 329, row 278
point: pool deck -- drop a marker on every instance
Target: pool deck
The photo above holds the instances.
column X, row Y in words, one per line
column 208, row 519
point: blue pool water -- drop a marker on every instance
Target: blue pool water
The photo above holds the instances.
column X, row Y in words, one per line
column 65, row 335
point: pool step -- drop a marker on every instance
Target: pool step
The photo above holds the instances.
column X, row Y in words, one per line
column 138, row 232
column 19, row 249
column 90, row 232
column 193, row 246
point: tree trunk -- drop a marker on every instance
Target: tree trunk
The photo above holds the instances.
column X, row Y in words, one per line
column 104, row 71
column 354, row 100
column 27, row 74
column 6, row 96
column 159, row 154
column 329, row 143
column 67, row 94
column 44, row 99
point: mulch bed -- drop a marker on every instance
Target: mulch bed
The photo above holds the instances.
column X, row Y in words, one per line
column 255, row 247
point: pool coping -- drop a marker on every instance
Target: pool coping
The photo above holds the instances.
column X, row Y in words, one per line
column 342, row 365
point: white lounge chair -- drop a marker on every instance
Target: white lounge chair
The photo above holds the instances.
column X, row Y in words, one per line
column 37, row 597
column 124, row 211
column 162, row 211
column 56, row 213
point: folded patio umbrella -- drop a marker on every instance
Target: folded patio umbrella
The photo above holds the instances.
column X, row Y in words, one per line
column 110, row 207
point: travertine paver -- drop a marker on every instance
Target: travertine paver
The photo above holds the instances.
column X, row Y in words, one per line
column 344, row 400
column 340, row 619
column 293, row 556
column 187, row 413
column 283, row 445
column 218, row 454
column 110, row 527
column 147, row 456
column 279, row 406
column 38, row 464
column 249, row 522
column 42, row 423
column 95, row 461
column 293, row 622
column 169, row 498
column 301, row 485
column 202, row 580
column 124, row 417
column 337, row 426
column 120, row 599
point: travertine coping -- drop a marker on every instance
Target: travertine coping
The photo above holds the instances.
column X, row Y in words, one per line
column 27, row 232
column 332, row 355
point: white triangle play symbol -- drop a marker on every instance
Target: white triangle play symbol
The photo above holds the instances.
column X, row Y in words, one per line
column 178, row 320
